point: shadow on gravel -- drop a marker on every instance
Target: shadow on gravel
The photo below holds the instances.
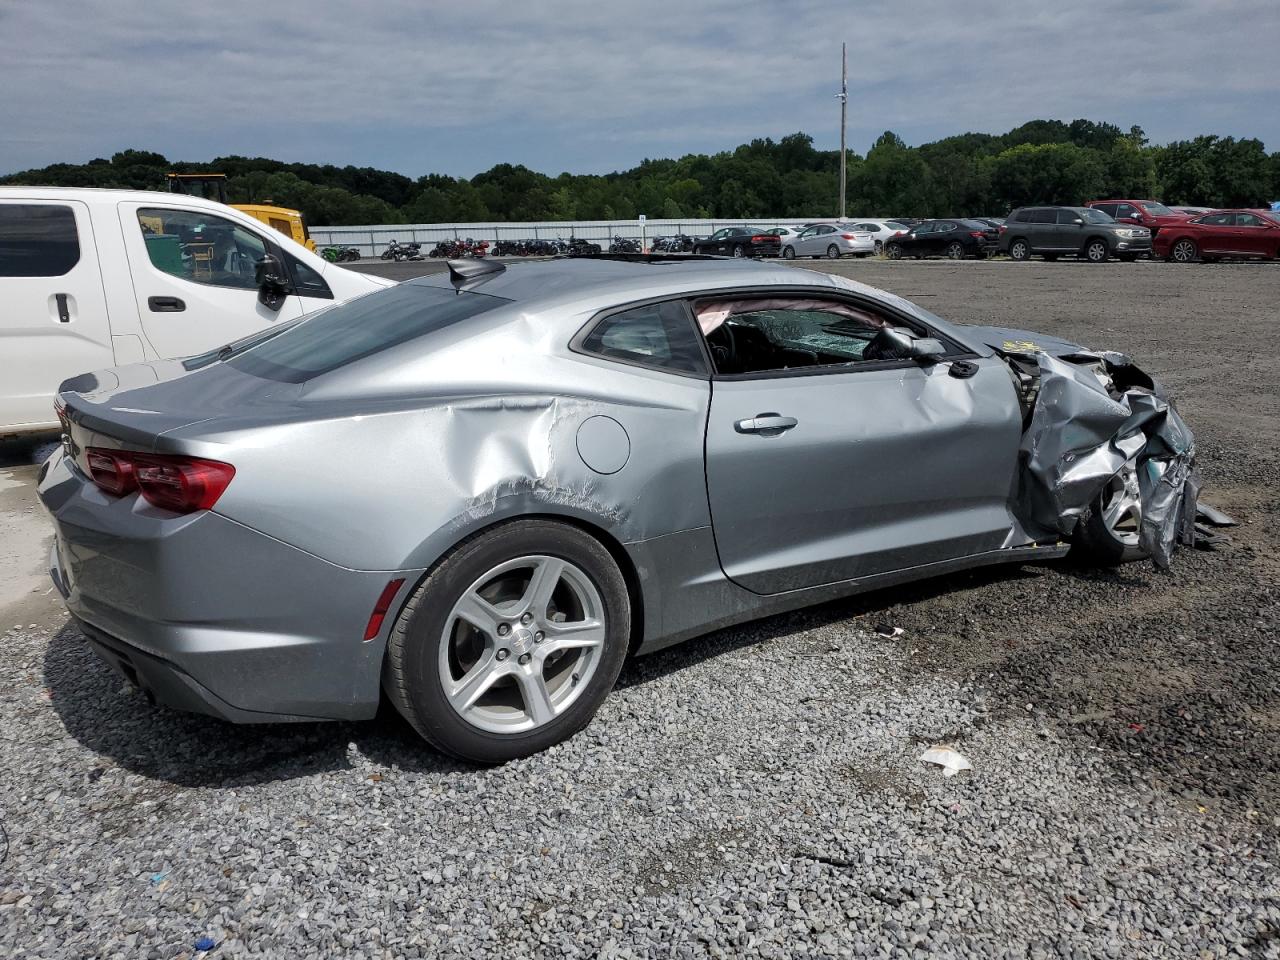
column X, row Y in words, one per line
column 651, row 667
column 101, row 714
column 197, row 751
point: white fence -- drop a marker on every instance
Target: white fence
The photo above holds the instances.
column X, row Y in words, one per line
column 372, row 240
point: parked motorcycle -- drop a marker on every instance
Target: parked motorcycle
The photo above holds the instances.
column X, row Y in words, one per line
column 340, row 254
column 624, row 245
column 577, row 247
column 677, row 243
column 402, row 251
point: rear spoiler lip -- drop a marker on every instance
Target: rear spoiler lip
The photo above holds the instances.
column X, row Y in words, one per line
column 81, row 413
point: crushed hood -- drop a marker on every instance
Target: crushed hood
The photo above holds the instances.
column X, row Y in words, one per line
column 1013, row 340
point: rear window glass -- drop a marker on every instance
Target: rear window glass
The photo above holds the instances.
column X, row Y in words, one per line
column 37, row 240
column 656, row 335
column 352, row 331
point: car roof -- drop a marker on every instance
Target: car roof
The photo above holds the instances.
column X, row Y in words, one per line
column 106, row 195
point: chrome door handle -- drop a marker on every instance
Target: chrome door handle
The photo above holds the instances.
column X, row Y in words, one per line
column 765, row 423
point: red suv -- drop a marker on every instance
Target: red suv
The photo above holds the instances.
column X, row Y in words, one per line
column 1144, row 213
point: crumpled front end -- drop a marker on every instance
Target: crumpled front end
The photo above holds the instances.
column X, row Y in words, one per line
column 1088, row 415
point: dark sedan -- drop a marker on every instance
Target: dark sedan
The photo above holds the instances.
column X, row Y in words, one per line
column 740, row 242
column 954, row 239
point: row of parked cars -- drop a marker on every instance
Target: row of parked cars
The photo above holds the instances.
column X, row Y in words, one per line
column 1100, row 230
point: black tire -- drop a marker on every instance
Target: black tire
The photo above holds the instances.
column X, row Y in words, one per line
column 1184, row 251
column 833, row 252
column 880, row 247
column 1093, row 542
column 411, row 677
column 1095, row 250
column 955, row 250
column 1019, row 249
column 893, row 251
column 788, row 253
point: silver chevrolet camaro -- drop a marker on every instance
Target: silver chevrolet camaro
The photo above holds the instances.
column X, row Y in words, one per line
column 477, row 492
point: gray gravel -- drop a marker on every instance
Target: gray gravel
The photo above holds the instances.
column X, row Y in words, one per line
column 753, row 793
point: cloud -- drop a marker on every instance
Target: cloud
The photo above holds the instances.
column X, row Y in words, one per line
column 596, row 85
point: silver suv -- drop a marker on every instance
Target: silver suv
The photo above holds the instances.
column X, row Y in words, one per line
column 1076, row 231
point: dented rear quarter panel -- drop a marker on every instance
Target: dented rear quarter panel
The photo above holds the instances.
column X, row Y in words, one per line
column 476, row 430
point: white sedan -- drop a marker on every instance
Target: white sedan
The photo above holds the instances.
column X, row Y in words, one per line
column 881, row 230
column 828, row 240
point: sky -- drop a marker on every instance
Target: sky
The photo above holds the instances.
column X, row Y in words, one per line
column 590, row 87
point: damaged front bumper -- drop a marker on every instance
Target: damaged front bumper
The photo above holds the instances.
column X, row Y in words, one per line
column 1087, row 416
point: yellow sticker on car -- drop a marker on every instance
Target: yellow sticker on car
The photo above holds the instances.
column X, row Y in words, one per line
column 1020, row 346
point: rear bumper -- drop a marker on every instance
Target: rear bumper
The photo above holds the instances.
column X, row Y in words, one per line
column 209, row 615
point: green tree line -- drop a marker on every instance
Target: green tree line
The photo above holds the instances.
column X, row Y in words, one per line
column 1043, row 161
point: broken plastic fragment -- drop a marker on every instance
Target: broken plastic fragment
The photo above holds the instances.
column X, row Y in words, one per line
column 951, row 761
column 887, row 631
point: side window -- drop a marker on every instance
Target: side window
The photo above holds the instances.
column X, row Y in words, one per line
column 1125, row 210
column 810, row 232
column 37, row 240
column 1248, row 220
column 1018, row 216
column 200, row 247
column 1108, row 208
column 656, row 335
column 1216, row 220
column 1068, row 216
column 765, row 335
column 307, row 281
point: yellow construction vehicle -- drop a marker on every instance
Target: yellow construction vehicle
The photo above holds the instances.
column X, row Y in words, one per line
column 213, row 186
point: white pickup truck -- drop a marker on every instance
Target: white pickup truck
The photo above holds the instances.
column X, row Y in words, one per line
column 100, row 278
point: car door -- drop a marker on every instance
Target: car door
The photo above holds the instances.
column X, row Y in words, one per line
column 1254, row 235
column 193, row 277
column 53, row 309
column 802, row 243
column 821, row 472
column 821, row 240
column 916, row 241
column 1068, row 229
column 1213, row 233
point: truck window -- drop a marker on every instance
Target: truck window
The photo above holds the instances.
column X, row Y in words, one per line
column 201, row 247
column 37, row 240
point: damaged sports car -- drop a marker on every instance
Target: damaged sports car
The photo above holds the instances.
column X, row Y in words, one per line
column 476, row 493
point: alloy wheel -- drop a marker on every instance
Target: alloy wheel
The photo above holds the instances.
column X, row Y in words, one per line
column 521, row 644
column 1096, row 252
column 955, row 251
column 833, row 252
column 1122, row 506
column 1184, row 251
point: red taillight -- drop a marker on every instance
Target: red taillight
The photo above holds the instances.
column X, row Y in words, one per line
column 170, row 482
column 977, row 234
column 763, row 238
column 381, row 607
column 846, row 236
column 111, row 470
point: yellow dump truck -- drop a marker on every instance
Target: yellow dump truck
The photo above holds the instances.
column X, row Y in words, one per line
column 213, row 186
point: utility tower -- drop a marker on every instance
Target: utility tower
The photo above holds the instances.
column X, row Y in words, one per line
column 843, row 97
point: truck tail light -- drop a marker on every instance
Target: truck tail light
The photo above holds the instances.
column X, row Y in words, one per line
column 168, row 481
column 1001, row 229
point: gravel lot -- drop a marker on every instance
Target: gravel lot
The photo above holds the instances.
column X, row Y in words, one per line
column 757, row 792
